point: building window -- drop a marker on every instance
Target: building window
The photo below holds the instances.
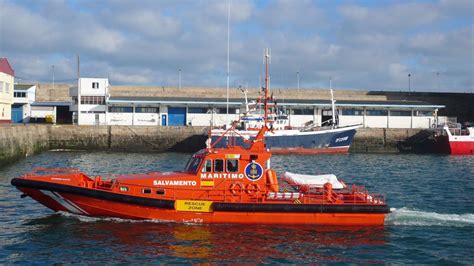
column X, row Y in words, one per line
column 198, row 110
column 377, row 112
column 95, row 85
column 424, row 113
column 18, row 94
column 7, row 87
column 152, row 110
column 120, row 109
column 92, row 112
column 302, row 111
column 327, row 112
column 353, row 112
column 74, row 99
column 400, row 113
column 232, row 165
column 1, row 86
column 224, row 110
column 96, row 100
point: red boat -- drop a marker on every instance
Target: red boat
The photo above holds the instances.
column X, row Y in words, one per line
column 455, row 140
column 218, row 185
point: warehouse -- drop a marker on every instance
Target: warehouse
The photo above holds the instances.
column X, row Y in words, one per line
column 98, row 107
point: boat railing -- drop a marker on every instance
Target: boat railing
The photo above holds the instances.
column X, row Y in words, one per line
column 53, row 171
column 287, row 193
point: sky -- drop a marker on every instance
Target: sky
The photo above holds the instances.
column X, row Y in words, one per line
column 360, row 45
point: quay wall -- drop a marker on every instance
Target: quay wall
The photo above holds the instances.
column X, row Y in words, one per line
column 127, row 138
column 19, row 141
column 384, row 140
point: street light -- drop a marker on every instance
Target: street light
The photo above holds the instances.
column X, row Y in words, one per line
column 409, row 85
column 53, row 75
column 179, row 74
column 298, row 80
column 437, row 74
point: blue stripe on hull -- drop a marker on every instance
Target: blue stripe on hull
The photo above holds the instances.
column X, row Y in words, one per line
column 307, row 141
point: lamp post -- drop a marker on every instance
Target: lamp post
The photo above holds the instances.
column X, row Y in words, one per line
column 53, row 75
column 179, row 78
column 437, row 77
column 298, row 80
column 409, row 85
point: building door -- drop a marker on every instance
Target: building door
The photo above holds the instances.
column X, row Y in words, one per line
column 163, row 120
column 176, row 116
column 17, row 113
column 97, row 119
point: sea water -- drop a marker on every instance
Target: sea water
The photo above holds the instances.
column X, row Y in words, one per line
column 431, row 198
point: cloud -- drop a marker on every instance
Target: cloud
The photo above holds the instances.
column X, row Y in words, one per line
column 360, row 46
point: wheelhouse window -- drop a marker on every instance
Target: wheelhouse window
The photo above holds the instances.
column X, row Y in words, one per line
column 207, row 167
column 218, row 166
column 232, row 165
column 193, row 164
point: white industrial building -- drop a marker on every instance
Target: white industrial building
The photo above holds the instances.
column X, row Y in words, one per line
column 89, row 101
column 93, row 105
column 23, row 96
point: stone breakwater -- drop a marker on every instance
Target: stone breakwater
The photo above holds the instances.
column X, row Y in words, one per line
column 18, row 141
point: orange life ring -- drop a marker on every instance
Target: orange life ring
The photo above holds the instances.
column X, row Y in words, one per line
column 236, row 189
column 252, row 188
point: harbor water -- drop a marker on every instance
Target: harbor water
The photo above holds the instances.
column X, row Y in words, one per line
column 431, row 198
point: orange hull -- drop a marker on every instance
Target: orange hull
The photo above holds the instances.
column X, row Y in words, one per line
column 88, row 206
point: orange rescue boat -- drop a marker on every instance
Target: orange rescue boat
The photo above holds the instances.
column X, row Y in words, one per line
column 218, row 185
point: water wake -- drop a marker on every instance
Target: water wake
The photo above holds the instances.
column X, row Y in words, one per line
column 89, row 219
column 405, row 216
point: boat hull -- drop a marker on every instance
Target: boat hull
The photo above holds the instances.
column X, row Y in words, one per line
column 97, row 203
column 456, row 147
column 313, row 142
column 461, row 147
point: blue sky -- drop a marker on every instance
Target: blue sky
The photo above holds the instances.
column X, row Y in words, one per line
column 362, row 45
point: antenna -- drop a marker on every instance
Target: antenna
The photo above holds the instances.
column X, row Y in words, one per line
column 228, row 59
column 78, row 68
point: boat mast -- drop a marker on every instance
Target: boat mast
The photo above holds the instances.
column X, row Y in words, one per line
column 228, row 66
column 265, row 104
column 332, row 104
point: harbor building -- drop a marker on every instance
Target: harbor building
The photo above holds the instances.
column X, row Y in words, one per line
column 23, row 97
column 7, row 79
column 89, row 101
column 95, row 102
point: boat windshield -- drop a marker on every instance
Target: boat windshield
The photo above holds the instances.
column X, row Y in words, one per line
column 193, row 164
